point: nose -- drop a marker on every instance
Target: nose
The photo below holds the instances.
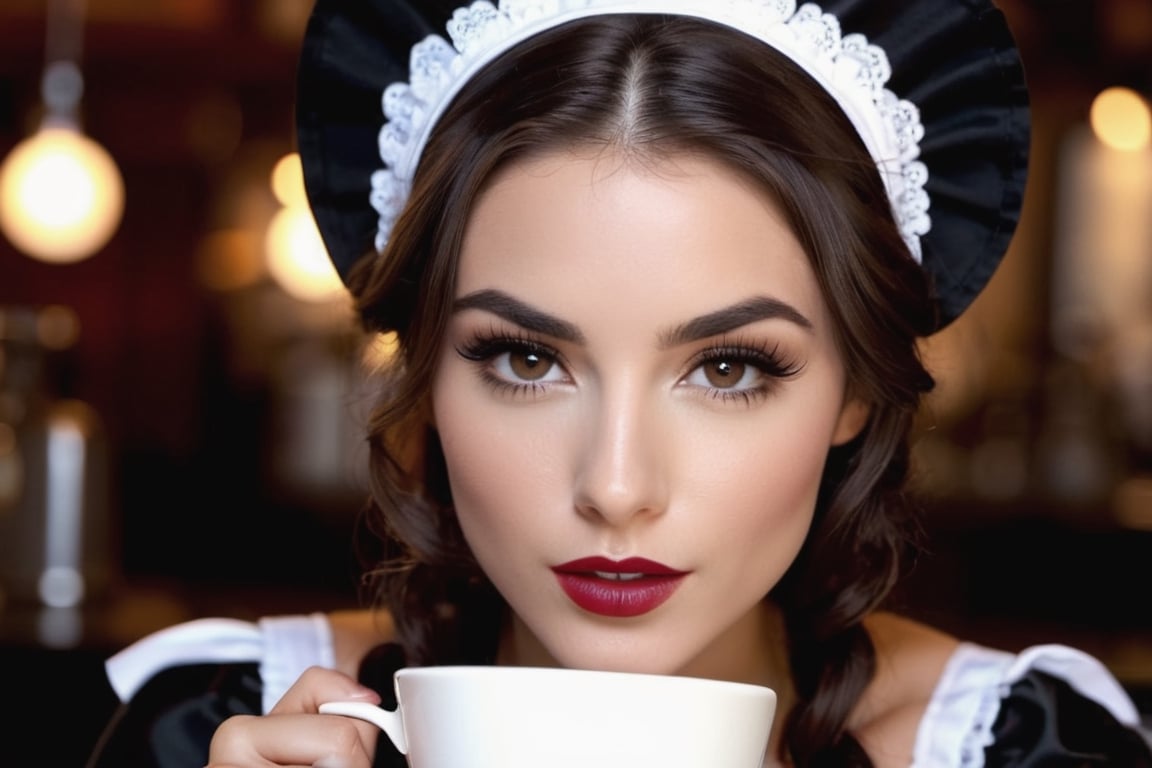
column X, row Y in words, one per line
column 621, row 471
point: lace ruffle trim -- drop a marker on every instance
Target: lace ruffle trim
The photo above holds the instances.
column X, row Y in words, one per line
column 851, row 69
column 979, row 735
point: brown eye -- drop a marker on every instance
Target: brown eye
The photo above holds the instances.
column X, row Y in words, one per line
column 529, row 366
column 724, row 374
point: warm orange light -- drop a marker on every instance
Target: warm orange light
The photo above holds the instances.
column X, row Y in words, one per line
column 230, row 259
column 297, row 258
column 61, row 196
column 57, row 327
column 1120, row 119
column 288, row 181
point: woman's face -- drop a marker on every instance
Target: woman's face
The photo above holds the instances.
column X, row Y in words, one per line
column 635, row 397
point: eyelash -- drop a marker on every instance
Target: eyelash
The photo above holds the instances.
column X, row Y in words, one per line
column 769, row 361
column 483, row 349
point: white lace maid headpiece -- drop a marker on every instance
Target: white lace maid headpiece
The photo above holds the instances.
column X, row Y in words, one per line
column 851, row 69
column 376, row 75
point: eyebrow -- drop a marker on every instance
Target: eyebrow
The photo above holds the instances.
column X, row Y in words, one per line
column 712, row 324
column 515, row 311
column 736, row 316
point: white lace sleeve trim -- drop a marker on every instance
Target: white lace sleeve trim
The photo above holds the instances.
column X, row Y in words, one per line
column 957, row 725
column 291, row 645
column 282, row 646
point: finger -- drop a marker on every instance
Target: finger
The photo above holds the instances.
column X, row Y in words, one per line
column 293, row 740
column 318, row 685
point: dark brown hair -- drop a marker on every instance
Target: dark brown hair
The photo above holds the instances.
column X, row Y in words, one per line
column 652, row 86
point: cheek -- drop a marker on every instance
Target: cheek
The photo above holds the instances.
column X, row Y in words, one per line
column 479, row 478
column 499, row 472
column 505, row 491
column 767, row 487
column 760, row 485
column 472, row 469
column 753, row 540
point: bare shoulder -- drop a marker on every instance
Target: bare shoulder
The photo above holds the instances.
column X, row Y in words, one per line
column 910, row 658
column 355, row 633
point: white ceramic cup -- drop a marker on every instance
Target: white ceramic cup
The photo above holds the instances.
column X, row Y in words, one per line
column 531, row 717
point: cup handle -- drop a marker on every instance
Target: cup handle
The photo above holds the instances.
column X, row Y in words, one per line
column 391, row 722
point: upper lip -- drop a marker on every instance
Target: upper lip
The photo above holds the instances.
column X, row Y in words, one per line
column 631, row 565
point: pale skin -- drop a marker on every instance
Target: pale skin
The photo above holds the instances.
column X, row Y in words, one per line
column 648, row 344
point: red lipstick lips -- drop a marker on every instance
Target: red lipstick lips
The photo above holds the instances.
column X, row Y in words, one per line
column 617, row 588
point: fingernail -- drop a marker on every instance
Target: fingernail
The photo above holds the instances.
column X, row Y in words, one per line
column 332, row 761
column 363, row 692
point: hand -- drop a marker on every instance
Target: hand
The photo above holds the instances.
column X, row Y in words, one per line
column 295, row 734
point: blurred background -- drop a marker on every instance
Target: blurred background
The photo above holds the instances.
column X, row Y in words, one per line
column 180, row 379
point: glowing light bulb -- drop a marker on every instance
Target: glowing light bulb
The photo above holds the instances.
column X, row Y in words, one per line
column 1120, row 118
column 61, row 195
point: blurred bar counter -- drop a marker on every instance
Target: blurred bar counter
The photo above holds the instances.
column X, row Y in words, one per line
column 125, row 614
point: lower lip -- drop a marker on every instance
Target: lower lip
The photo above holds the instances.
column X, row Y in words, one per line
column 618, row 599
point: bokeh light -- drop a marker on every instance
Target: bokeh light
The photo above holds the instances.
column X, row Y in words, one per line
column 1120, row 118
column 61, row 196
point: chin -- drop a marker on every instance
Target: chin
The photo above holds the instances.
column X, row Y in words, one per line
column 610, row 645
column 608, row 656
column 624, row 665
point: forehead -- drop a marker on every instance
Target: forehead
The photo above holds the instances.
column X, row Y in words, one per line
column 622, row 227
